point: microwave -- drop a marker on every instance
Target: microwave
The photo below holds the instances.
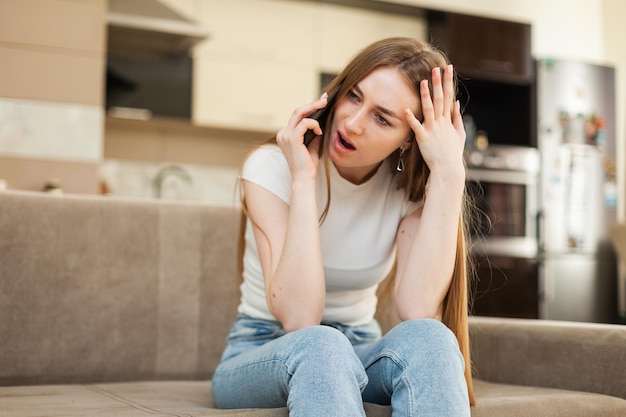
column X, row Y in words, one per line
column 503, row 188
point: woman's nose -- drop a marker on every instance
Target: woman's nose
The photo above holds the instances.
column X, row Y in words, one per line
column 354, row 122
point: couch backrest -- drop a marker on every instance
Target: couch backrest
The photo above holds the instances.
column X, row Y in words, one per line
column 109, row 289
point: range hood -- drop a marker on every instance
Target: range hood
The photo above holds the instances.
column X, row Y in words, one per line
column 150, row 27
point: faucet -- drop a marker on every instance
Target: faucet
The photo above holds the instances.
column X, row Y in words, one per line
column 163, row 173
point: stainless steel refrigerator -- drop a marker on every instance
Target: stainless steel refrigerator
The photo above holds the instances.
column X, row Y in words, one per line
column 578, row 191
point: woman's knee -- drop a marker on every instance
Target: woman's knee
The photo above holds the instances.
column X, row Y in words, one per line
column 423, row 337
column 322, row 342
column 327, row 350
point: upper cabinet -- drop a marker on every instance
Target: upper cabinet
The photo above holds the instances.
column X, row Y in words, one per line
column 342, row 31
column 496, row 74
column 484, row 48
column 257, row 65
column 264, row 58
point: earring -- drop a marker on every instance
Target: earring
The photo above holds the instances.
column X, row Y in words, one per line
column 400, row 166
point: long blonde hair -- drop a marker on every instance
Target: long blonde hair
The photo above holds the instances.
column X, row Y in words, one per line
column 415, row 59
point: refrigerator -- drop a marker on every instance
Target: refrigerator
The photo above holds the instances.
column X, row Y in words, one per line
column 578, row 191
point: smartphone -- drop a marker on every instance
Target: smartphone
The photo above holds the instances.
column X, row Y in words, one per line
column 321, row 115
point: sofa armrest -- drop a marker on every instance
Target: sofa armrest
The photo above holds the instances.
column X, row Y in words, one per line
column 101, row 289
column 576, row 356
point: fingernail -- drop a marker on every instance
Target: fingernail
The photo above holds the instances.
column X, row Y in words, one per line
column 324, row 96
column 450, row 67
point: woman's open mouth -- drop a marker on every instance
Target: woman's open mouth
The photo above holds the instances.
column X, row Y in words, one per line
column 345, row 144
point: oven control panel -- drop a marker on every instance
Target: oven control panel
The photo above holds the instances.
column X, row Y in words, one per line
column 504, row 158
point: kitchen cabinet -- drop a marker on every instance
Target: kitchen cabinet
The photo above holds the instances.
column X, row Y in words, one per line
column 484, row 48
column 257, row 64
column 505, row 287
column 342, row 31
column 264, row 58
column 258, row 30
column 232, row 94
column 496, row 74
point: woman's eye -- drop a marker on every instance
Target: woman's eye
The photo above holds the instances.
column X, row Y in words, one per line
column 382, row 120
column 352, row 95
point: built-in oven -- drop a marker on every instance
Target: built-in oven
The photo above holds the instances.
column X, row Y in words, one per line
column 503, row 187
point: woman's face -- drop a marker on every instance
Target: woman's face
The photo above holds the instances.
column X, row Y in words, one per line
column 369, row 123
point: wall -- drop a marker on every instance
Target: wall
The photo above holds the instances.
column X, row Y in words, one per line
column 615, row 33
column 556, row 25
column 51, row 93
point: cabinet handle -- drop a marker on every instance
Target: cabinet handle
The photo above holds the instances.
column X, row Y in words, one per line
column 496, row 66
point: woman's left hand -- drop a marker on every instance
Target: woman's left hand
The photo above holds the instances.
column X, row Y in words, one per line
column 441, row 136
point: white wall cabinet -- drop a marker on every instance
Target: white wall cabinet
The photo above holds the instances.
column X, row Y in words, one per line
column 235, row 94
column 342, row 31
column 257, row 64
column 263, row 58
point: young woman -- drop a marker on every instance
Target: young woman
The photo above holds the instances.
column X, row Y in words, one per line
column 379, row 189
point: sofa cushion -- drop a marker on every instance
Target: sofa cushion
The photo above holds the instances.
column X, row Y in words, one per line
column 193, row 398
column 498, row 400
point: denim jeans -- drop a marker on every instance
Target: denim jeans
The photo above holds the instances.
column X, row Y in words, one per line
column 331, row 369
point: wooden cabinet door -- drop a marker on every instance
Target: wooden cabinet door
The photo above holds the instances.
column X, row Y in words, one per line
column 233, row 94
column 484, row 48
column 506, row 287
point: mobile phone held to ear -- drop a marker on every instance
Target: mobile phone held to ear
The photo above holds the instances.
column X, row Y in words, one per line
column 321, row 115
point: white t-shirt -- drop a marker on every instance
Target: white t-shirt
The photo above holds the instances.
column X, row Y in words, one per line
column 358, row 237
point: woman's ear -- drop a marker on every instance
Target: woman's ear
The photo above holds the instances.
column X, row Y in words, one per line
column 408, row 142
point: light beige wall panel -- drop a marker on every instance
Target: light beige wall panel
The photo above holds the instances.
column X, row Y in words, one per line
column 30, row 73
column 222, row 149
column 127, row 140
column 32, row 174
column 174, row 141
column 54, row 23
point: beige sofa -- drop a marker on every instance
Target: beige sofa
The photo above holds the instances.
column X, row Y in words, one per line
column 120, row 307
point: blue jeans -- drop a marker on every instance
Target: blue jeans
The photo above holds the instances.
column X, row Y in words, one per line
column 330, row 369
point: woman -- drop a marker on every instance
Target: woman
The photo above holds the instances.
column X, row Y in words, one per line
column 381, row 185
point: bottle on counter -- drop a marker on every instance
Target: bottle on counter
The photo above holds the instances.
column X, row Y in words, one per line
column 53, row 186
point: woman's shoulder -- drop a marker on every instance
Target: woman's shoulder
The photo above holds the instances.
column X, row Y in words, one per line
column 266, row 166
column 265, row 157
column 269, row 150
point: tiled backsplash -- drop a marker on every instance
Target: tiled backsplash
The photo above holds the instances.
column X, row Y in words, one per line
column 30, row 128
column 210, row 184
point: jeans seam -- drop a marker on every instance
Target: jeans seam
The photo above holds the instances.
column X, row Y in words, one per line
column 389, row 354
column 281, row 359
column 386, row 353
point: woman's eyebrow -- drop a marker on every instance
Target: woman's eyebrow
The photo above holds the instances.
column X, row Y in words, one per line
column 382, row 109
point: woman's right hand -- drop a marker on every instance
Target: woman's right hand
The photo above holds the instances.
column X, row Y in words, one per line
column 303, row 161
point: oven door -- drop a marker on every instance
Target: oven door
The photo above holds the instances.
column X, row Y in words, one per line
column 504, row 221
column 504, row 242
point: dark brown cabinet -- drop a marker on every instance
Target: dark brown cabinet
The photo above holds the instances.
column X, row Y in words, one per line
column 506, row 287
column 496, row 74
column 484, row 48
